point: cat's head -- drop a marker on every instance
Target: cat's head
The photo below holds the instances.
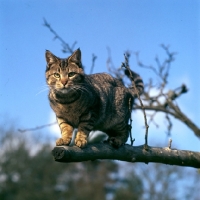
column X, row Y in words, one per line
column 63, row 74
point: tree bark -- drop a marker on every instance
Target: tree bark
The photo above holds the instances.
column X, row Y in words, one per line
column 127, row 153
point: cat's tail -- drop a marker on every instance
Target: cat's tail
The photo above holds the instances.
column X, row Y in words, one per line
column 138, row 82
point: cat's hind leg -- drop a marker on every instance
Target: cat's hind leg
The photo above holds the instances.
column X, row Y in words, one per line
column 66, row 131
column 118, row 137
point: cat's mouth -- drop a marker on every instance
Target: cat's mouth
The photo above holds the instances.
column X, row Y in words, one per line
column 66, row 95
column 64, row 90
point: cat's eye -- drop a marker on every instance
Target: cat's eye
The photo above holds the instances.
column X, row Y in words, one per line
column 71, row 74
column 57, row 75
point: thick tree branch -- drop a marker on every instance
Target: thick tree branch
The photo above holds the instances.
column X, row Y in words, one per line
column 127, row 153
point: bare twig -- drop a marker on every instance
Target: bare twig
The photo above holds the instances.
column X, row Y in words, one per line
column 36, row 128
column 151, row 120
column 111, row 68
column 170, row 143
column 179, row 115
column 94, row 57
column 145, row 66
column 126, row 65
column 162, row 70
column 169, row 127
column 130, row 126
column 66, row 47
column 169, row 107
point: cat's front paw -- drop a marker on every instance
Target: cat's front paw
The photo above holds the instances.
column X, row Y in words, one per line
column 61, row 141
column 81, row 139
column 80, row 143
column 115, row 142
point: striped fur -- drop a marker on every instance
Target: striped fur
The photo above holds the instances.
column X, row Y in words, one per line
column 88, row 102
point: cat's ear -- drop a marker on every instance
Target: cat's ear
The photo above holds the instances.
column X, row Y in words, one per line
column 50, row 58
column 76, row 57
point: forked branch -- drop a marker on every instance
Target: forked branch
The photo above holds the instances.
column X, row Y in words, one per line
column 155, row 102
column 66, row 47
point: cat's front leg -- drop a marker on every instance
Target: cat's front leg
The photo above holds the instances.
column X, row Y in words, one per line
column 85, row 127
column 66, row 131
column 81, row 139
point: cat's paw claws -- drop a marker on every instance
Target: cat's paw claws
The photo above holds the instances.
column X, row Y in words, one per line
column 61, row 141
column 81, row 139
column 80, row 142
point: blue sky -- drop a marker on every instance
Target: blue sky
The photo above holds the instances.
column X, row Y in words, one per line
column 95, row 25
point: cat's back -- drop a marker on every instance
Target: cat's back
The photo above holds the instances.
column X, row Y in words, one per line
column 104, row 80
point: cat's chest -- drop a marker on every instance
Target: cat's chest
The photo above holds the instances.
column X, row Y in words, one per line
column 68, row 111
column 71, row 113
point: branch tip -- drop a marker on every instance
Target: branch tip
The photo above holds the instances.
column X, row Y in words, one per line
column 170, row 143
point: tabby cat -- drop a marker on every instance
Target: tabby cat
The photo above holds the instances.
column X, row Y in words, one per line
column 88, row 102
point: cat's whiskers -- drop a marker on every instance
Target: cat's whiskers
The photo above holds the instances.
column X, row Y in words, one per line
column 43, row 89
column 44, row 86
column 82, row 89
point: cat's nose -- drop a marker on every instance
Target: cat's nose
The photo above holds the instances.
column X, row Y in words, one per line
column 64, row 81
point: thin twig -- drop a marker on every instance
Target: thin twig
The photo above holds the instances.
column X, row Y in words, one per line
column 94, row 57
column 112, row 69
column 169, row 127
column 126, row 65
column 170, row 143
column 66, row 47
column 130, row 126
column 152, row 119
column 36, row 128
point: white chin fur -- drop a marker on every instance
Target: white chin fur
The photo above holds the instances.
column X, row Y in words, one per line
column 64, row 91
